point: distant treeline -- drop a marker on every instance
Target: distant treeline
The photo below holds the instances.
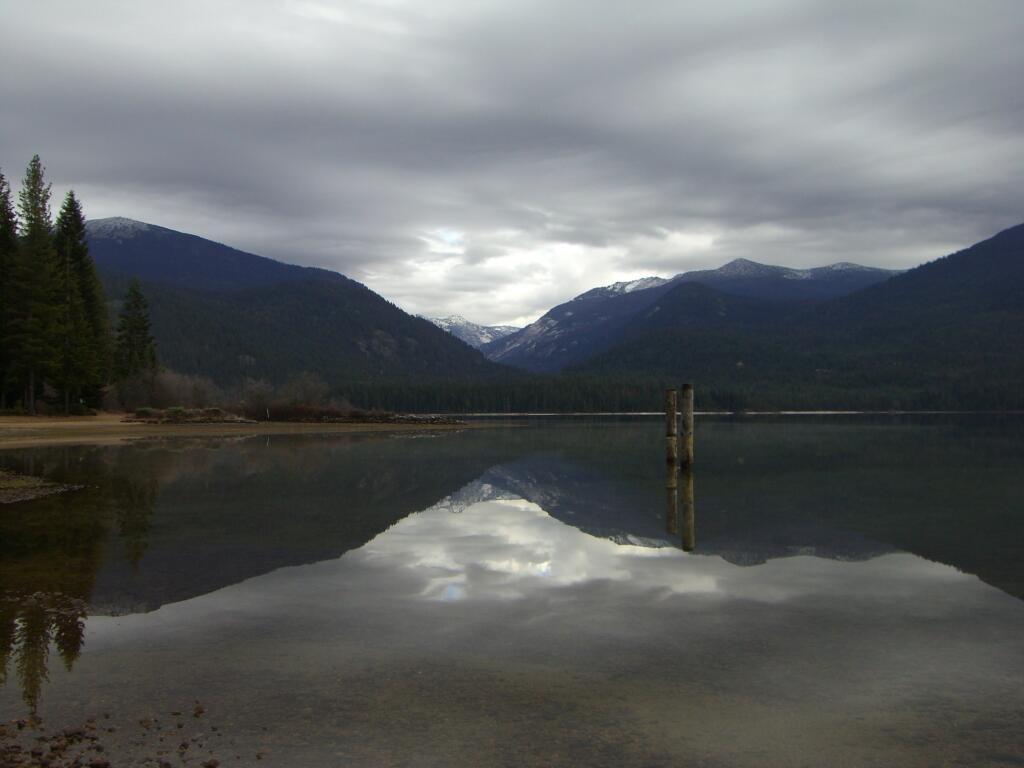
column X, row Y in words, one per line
column 609, row 393
column 56, row 345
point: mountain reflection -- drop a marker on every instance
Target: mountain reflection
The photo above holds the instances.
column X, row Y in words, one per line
column 221, row 519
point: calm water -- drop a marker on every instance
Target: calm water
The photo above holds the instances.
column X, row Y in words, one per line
column 519, row 596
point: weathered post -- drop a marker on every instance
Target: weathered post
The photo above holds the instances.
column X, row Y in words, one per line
column 689, row 533
column 671, row 433
column 671, row 501
column 687, row 452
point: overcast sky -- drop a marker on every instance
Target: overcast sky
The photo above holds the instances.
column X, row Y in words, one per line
column 496, row 158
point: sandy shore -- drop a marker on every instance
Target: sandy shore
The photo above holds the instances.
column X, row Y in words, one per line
column 26, row 431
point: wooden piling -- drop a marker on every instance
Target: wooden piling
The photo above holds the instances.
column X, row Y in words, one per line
column 671, row 432
column 689, row 525
column 671, row 501
column 686, row 460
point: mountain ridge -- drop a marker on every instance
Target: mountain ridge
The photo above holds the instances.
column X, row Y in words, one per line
column 159, row 254
column 593, row 321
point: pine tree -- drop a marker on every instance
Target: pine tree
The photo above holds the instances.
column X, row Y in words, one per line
column 135, row 351
column 85, row 339
column 8, row 252
column 29, row 333
column 73, row 348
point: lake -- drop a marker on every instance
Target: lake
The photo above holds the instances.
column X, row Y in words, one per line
column 519, row 595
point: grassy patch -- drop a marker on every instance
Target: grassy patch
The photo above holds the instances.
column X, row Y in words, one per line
column 15, row 487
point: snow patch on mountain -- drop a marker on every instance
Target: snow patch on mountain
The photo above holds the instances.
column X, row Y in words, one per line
column 849, row 266
column 745, row 269
column 628, row 286
column 472, row 333
column 798, row 274
column 475, row 492
column 115, row 227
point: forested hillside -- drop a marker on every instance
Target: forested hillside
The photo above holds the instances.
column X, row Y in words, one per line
column 231, row 315
column 597, row 320
column 948, row 334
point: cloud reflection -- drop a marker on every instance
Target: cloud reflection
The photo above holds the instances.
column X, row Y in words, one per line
column 509, row 549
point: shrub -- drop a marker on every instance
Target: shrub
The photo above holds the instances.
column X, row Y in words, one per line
column 176, row 414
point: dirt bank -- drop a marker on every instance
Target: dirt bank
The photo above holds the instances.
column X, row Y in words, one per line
column 28, row 431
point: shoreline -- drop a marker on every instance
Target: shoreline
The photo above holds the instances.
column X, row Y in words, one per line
column 661, row 414
column 108, row 429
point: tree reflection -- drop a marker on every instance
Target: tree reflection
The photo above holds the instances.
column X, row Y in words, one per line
column 29, row 626
column 134, row 504
column 51, row 550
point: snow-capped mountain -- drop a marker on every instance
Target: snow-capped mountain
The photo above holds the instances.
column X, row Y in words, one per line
column 749, row 278
column 617, row 289
column 473, row 334
column 594, row 320
column 115, row 228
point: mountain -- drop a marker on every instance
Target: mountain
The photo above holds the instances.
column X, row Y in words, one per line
column 573, row 331
column 982, row 285
column 223, row 313
column 742, row 277
column 617, row 289
column 947, row 334
column 471, row 333
column 599, row 318
column 160, row 255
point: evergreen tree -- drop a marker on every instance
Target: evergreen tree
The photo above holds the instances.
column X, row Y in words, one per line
column 85, row 345
column 30, row 330
column 135, row 351
column 8, row 252
column 73, row 353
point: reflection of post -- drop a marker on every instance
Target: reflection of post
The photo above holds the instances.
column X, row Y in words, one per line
column 671, row 433
column 671, row 501
column 687, row 457
column 689, row 535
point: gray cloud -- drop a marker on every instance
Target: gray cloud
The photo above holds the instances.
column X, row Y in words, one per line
column 495, row 158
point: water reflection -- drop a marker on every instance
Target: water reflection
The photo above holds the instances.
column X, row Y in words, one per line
column 51, row 551
column 671, row 501
column 29, row 624
column 228, row 510
column 689, row 535
column 172, row 520
column 509, row 548
column 500, row 547
column 672, row 496
column 486, row 614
